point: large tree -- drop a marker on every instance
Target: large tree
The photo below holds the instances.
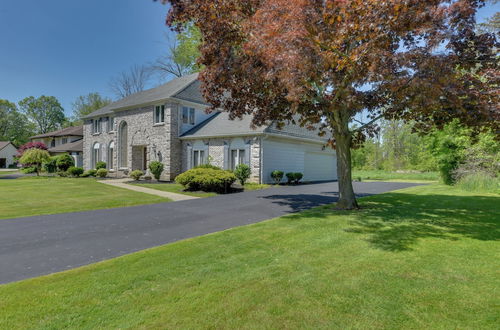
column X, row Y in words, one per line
column 183, row 53
column 45, row 112
column 86, row 104
column 131, row 81
column 14, row 126
column 320, row 62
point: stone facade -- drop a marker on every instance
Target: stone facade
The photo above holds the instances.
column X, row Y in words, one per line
column 218, row 152
column 160, row 141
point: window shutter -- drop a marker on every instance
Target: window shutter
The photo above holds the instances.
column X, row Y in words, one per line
column 226, row 156
column 247, row 153
column 189, row 156
column 205, row 149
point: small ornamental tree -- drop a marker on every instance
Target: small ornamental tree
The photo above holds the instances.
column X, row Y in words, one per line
column 30, row 145
column 35, row 158
column 319, row 63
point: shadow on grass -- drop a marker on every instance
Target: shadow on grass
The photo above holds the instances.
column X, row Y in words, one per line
column 396, row 221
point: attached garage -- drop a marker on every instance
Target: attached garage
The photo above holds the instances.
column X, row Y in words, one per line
column 293, row 155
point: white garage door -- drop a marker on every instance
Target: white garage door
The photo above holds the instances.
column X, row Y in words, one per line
column 319, row 167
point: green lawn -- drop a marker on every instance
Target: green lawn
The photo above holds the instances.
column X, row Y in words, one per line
column 179, row 189
column 44, row 195
column 8, row 172
column 424, row 257
column 379, row 175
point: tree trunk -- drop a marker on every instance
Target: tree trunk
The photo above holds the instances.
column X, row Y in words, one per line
column 343, row 140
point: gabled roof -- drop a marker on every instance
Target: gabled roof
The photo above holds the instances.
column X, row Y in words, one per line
column 3, row 144
column 69, row 147
column 219, row 125
column 68, row 131
column 165, row 91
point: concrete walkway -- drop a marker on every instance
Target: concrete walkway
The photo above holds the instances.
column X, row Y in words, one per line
column 122, row 183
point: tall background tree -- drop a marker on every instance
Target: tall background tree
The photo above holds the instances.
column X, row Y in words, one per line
column 131, row 81
column 182, row 56
column 14, row 126
column 45, row 112
column 86, row 104
column 321, row 62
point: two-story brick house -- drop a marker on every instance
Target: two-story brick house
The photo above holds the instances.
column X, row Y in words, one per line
column 169, row 124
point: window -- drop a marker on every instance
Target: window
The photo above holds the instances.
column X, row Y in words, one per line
column 96, row 126
column 96, row 154
column 191, row 116
column 159, row 117
column 198, row 157
column 122, row 145
column 188, row 115
column 111, row 155
column 53, row 143
column 64, row 140
column 237, row 158
column 111, row 124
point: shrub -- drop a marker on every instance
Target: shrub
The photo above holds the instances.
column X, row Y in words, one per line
column 101, row 173
column 277, row 176
column 208, row 166
column 100, row 165
column 294, row 177
column 479, row 182
column 89, row 173
column 206, row 179
column 29, row 170
column 75, row 171
column 51, row 165
column 242, row 173
column 35, row 158
column 297, row 176
column 62, row 174
column 64, row 162
column 156, row 168
column 136, row 175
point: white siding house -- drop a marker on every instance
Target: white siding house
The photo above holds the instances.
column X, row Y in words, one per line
column 7, row 153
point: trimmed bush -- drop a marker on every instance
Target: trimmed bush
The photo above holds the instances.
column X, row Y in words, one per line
column 136, row 175
column 89, row 173
column 297, row 176
column 242, row 173
column 277, row 176
column 100, row 165
column 64, row 162
column 101, row 173
column 206, row 179
column 208, row 166
column 156, row 169
column 75, row 171
column 294, row 177
column 28, row 170
column 50, row 166
column 62, row 174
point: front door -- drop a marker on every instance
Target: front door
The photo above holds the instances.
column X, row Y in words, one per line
column 3, row 162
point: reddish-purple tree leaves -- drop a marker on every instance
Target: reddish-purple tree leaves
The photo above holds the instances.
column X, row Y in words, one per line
column 320, row 62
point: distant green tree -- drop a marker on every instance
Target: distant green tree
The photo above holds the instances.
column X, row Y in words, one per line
column 86, row 104
column 45, row 112
column 183, row 54
column 14, row 126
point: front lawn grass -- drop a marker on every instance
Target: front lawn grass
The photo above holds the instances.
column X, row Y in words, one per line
column 48, row 195
column 380, row 175
column 8, row 172
column 424, row 257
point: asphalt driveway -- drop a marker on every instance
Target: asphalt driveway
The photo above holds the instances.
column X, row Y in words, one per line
column 40, row 245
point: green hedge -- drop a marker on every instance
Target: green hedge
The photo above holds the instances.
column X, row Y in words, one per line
column 207, row 179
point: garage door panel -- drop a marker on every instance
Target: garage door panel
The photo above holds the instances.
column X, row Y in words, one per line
column 319, row 167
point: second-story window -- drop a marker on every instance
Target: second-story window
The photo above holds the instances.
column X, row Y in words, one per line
column 159, row 114
column 188, row 115
column 111, row 124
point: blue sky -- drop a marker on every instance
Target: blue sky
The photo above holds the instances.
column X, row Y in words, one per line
column 68, row 48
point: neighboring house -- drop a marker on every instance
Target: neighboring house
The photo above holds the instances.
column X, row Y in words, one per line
column 169, row 124
column 7, row 153
column 65, row 141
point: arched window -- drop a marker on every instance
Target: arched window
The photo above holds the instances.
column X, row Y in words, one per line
column 96, row 154
column 111, row 155
column 122, row 145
